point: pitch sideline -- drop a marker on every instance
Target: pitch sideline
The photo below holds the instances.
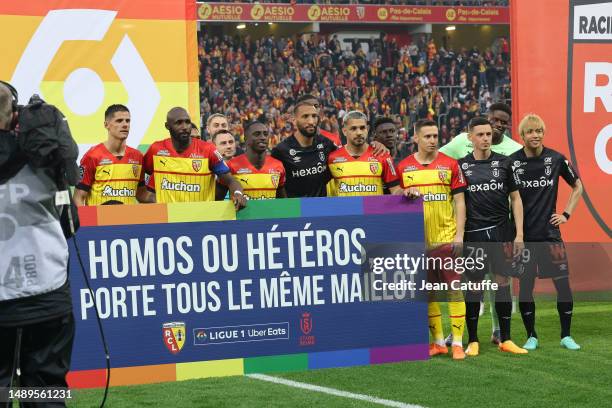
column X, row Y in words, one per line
column 333, row 391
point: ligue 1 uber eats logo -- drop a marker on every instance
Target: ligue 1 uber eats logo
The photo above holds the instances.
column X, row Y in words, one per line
column 589, row 105
column 83, row 88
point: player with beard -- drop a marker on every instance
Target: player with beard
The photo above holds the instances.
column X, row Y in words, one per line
column 539, row 169
column 304, row 154
column 261, row 176
column 182, row 169
column 460, row 146
column 355, row 170
column 489, row 232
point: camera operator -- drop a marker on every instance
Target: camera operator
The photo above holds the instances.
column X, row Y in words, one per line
column 36, row 321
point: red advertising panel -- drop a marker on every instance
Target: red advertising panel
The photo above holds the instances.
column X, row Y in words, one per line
column 322, row 13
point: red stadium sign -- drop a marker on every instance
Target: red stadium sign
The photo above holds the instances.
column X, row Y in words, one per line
column 590, row 93
column 323, row 13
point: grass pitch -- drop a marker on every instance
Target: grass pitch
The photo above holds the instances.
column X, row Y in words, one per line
column 548, row 377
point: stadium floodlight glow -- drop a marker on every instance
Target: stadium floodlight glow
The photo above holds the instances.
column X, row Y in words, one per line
column 241, row 26
column 451, row 28
column 270, row 23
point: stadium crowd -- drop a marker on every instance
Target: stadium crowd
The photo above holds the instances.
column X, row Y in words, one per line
column 245, row 79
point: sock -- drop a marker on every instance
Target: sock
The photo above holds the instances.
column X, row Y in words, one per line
column 528, row 314
column 527, row 303
column 503, row 308
column 472, row 309
column 435, row 322
column 494, row 315
column 565, row 305
column 456, row 310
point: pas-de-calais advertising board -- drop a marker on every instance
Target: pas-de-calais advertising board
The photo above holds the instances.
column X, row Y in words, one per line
column 196, row 290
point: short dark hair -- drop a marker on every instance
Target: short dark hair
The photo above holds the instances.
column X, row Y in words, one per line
column 500, row 106
column 421, row 123
column 220, row 132
column 381, row 120
column 306, row 99
column 477, row 121
column 110, row 111
column 248, row 125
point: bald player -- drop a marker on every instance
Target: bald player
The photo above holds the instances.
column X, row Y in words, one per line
column 182, row 169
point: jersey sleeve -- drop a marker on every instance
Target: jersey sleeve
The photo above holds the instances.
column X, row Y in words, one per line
column 513, row 180
column 567, row 172
column 276, row 153
column 87, row 171
column 454, row 148
column 389, row 174
column 147, row 169
column 458, row 183
column 216, row 163
column 283, row 178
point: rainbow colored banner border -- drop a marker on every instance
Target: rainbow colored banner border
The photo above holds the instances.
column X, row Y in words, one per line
column 220, row 211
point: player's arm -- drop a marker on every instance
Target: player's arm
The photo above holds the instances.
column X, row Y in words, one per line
column 390, row 177
column 458, row 187
column 235, row 188
column 517, row 213
column 281, row 192
column 220, row 191
column 571, row 177
column 379, row 148
column 460, row 215
column 143, row 195
column 80, row 196
column 87, row 171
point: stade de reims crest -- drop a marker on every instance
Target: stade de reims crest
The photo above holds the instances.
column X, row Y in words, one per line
column 589, row 102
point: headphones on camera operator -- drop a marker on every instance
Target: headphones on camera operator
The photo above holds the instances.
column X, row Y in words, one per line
column 14, row 103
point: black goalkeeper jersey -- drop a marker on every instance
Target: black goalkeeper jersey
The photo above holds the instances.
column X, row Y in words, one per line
column 490, row 182
column 539, row 178
column 306, row 168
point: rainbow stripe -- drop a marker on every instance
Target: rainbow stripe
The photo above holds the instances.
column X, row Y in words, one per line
column 221, row 211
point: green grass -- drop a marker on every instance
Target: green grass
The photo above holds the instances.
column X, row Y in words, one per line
column 547, row 377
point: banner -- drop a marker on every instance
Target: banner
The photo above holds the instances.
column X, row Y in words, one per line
column 84, row 55
column 322, row 13
column 562, row 70
column 186, row 291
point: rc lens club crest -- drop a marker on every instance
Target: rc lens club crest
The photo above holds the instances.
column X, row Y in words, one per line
column 174, row 336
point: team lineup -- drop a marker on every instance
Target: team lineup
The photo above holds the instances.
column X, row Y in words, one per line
column 485, row 196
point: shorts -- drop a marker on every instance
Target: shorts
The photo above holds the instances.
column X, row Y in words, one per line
column 546, row 259
column 492, row 251
column 438, row 262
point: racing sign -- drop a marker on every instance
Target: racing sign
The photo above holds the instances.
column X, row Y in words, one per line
column 590, row 110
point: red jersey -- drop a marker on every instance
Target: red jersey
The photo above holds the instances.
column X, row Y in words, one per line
column 331, row 136
column 107, row 177
column 258, row 184
column 365, row 175
column 183, row 177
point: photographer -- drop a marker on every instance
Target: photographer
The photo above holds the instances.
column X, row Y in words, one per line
column 36, row 321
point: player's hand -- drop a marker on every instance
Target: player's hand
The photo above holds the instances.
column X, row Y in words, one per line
column 457, row 246
column 558, row 219
column 412, row 193
column 519, row 245
column 239, row 199
column 379, row 148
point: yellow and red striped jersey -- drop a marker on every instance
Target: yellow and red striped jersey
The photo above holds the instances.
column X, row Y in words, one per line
column 437, row 182
column 107, row 177
column 258, row 184
column 362, row 176
column 183, row 177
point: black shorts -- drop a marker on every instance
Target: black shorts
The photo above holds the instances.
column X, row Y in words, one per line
column 546, row 259
column 492, row 251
